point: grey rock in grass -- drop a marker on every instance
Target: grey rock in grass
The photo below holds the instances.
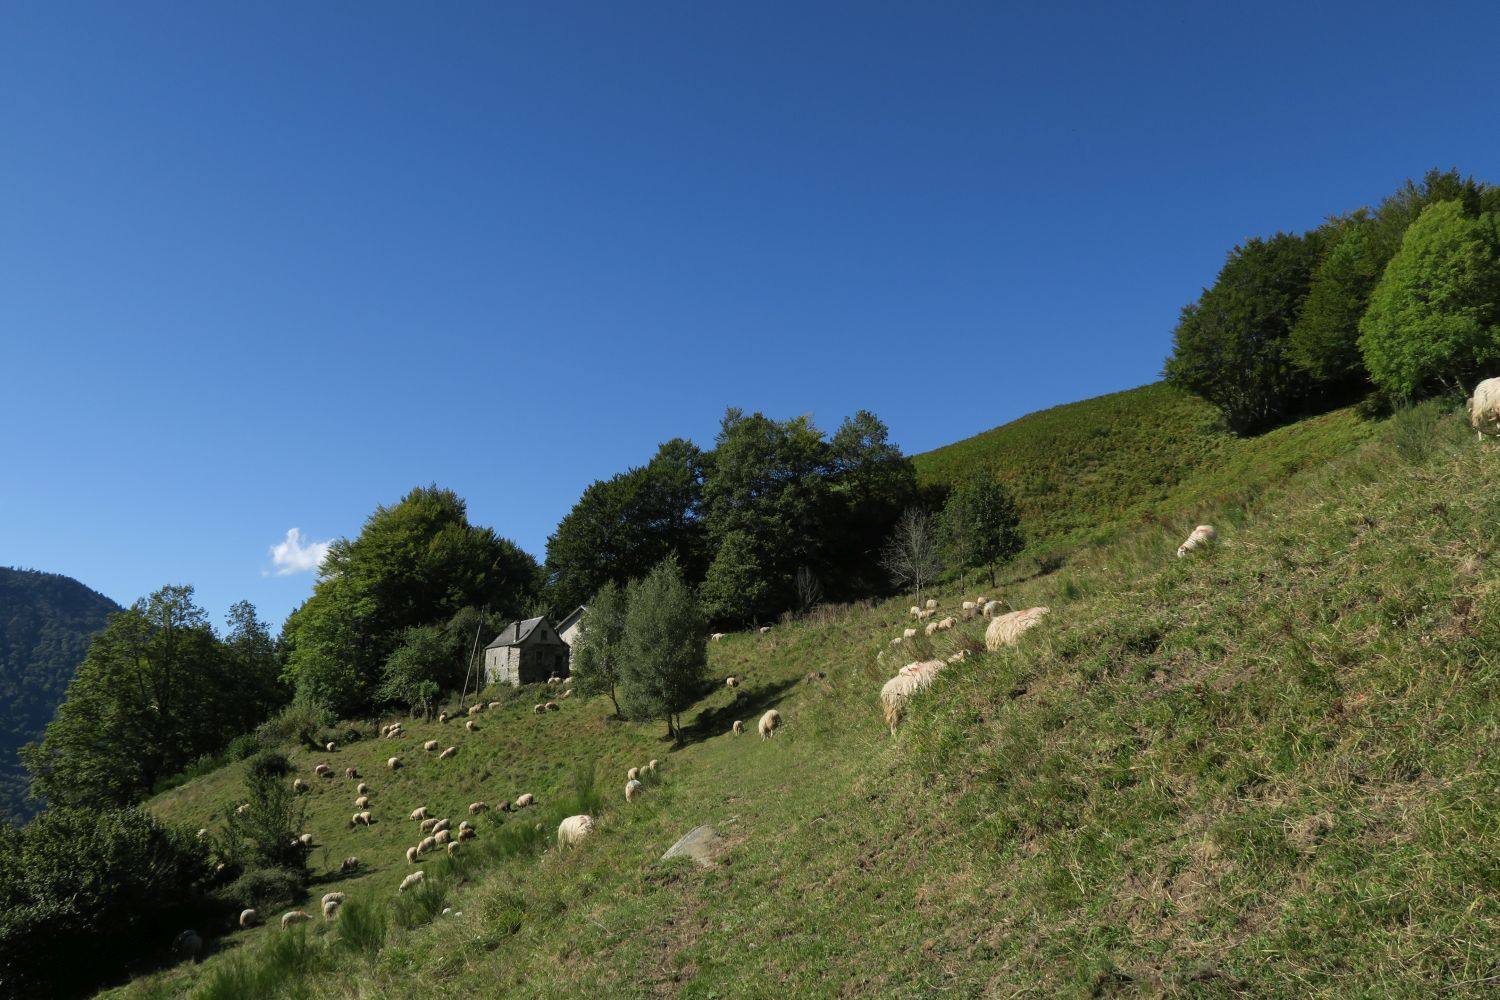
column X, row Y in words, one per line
column 699, row 843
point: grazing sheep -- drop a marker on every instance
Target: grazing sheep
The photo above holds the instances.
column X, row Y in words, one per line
column 203, row 833
column 764, row 629
column 915, row 611
column 732, row 682
column 323, row 770
column 442, row 716
column 1201, row 536
column 188, row 944
column 769, row 723
column 738, row 728
column 393, row 763
column 925, row 615
column 571, row 831
column 331, row 909
column 522, row 801
column 351, row 773
column 910, row 633
column 418, row 813
column 355, row 819
column 442, row 824
column 553, row 706
column 930, row 629
column 946, row 624
column 896, row 642
column 332, row 897
column 651, row 765
column 447, row 753
column 363, row 789
column 991, row 608
column 452, row 849
column 504, row 806
column 430, row 746
column 980, row 602
column 716, row 637
column 249, row 918
column 475, row 808
column 1008, row 629
column 959, row 657
column 363, row 802
column 539, row 709
column 331, row 747
column 349, row 864
column 294, row 917
column 567, row 692
column 633, row 790
column 967, row 606
column 298, row 785
column 553, row 680
column 245, row 807
column 426, row 844
column 306, row 840
column 465, row 825
column 1484, row 408
column 364, row 817
column 932, row 604
column 468, row 834
column 476, row 708
column 428, row 824
column 632, row 774
column 415, row 878
column 442, row 836
column 471, row 726
column 898, row 690
column 495, row 705
column 411, row 855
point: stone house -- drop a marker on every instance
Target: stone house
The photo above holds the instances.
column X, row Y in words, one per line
column 567, row 629
column 525, row 652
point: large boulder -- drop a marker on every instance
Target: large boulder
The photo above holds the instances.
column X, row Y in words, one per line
column 699, row 843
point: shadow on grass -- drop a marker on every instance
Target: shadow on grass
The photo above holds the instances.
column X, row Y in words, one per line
column 747, row 706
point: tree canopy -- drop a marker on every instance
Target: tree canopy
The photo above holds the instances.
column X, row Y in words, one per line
column 665, row 649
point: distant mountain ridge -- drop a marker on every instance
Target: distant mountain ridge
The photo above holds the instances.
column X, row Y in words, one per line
column 46, row 624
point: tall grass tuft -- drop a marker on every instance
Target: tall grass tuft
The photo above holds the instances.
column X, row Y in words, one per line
column 362, row 929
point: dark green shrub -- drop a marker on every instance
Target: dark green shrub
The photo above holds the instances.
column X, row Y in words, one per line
column 261, row 887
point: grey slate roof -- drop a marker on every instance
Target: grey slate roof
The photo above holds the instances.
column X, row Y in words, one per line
column 573, row 616
column 515, row 633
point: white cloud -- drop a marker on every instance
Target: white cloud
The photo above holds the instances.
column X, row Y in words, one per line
column 294, row 556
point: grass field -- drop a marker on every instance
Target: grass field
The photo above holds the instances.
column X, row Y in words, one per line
column 1269, row 770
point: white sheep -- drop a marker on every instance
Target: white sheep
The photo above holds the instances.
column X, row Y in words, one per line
column 418, row 813
column 980, row 602
column 716, row 637
column 522, row 801
column 1484, row 408
column 633, row 790
column 243, row 808
column 331, row 909
column 764, row 629
column 1201, row 536
column 430, row 746
column 539, row 709
column 349, row 864
column 769, row 723
column 426, row 844
column 351, row 773
column 553, row 680
column 571, row 831
column 393, row 763
column 476, row 708
column 931, row 628
column 475, row 808
column 203, row 833
column 465, row 834
column 331, row 747
column 442, row 836
column 1008, row 629
column 959, row 657
column 494, row 705
column 553, row 706
column 447, row 753
column 632, row 774
column 567, row 692
column 363, row 802
column 910, row 633
column 442, row 716
column 896, row 642
column 359, row 818
column 333, row 897
column 914, row 611
column 738, row 728
column 411, row 855
column 298, row 785
column 992, row 608
column 908, row 681
column 465, row 825
column 922, row 616
column 452, row 849
column 414, row 879
column 651, row 765
column 249, row 918
column 441, row 824
column 306, row 840
column 294, row 917
column 363, row 789
column 427, row 824
column 471, row 726
column 732, row 682
column 932, row 604
column 946, row 624
column 967, row 606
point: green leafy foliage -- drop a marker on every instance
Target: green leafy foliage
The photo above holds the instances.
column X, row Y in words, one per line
column 416, row 563
column 981, row 526
column 665, row 648
column 264, row 836
column 156, row 691
column 736, row 588
column 1324, row 341
column 1230, row 347
column 82, row 890
column 1434, row 319
column 46, row 624
column 600, row 646
column 623, row 526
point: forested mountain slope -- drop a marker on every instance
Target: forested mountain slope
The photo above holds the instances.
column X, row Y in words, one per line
column 1266, row 770
column 46, row 623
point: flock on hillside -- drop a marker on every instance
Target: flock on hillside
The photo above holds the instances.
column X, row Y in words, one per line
column 1004, row 629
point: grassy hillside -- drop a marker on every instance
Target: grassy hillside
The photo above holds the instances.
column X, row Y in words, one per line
column 1081, row 471
column 1269, row 770
column 46, row 624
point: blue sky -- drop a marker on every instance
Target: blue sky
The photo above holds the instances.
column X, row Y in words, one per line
column 265, row 266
